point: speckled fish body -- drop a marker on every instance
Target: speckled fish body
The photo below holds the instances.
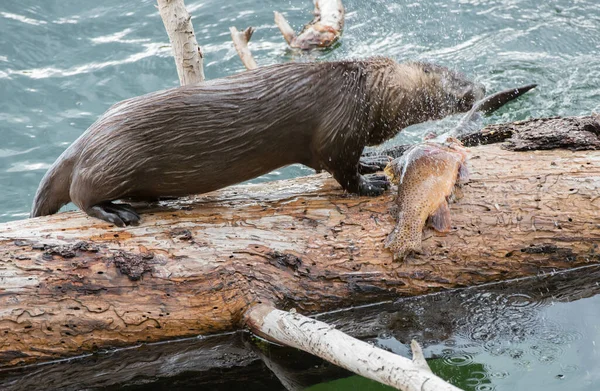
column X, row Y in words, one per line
column 426, row 177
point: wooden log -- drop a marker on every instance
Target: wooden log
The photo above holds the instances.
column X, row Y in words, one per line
column 188, row 56
column 70, row 284
column 226, row 361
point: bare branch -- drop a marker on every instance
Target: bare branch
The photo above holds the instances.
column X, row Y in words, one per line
column 240, row 42
column 323, row 340
column 187, row 53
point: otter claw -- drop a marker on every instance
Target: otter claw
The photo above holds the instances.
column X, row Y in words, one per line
column 373, row 185
column 117, row 214
column 372, row 164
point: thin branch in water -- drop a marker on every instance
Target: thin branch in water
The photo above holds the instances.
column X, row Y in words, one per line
column 240, row 42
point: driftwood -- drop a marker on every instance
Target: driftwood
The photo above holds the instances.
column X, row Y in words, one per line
column 323, row 340
column 230, row 362
column 72, row 284
column 322, row 32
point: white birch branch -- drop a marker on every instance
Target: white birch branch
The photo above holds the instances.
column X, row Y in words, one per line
column 323, row 340
column 188, row 57
column 240, row 42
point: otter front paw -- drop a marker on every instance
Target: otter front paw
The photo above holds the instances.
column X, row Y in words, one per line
column 372, row 164
column 373, row 185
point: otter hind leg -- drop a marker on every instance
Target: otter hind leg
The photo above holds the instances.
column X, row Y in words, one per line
column 117, row 214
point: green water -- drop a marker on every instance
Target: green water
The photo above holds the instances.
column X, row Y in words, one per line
column 63, row 63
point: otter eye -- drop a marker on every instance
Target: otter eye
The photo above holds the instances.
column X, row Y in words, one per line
column 427, row 71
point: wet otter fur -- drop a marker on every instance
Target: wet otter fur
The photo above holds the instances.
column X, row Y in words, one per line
column 199, row 138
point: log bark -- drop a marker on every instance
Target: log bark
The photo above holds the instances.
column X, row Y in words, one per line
column 187, row 53
column 228, row 361
column 71, row 284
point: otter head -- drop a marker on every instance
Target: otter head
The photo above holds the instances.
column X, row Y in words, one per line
column 417, row 92
column 443, row 91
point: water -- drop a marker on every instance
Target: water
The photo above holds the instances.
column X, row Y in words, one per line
column 62, row 64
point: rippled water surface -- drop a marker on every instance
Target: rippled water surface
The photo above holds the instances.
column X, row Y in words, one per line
column 63, row 63
column 522, row 335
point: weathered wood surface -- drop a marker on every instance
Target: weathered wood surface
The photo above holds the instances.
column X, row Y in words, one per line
column 572, row 133
column 70, row 284
column 230, row 361
column 240, row 43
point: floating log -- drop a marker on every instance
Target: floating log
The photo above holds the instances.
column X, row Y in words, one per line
column 230, row 360
column 71, row 284
column 322, row 32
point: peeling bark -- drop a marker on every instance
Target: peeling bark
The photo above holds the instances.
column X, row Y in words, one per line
column 71, row 284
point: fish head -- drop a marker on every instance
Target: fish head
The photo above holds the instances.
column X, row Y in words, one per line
column 446, row 91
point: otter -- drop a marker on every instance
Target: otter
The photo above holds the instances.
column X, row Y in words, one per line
column 199, row 138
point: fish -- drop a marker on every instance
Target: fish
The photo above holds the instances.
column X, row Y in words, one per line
column 426, row 176
column 429, row 176
column 323, row 31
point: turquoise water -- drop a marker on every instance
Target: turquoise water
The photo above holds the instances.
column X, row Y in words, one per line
column 63, row 63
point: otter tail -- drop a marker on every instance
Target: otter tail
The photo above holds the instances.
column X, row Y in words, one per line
column 53, row 191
